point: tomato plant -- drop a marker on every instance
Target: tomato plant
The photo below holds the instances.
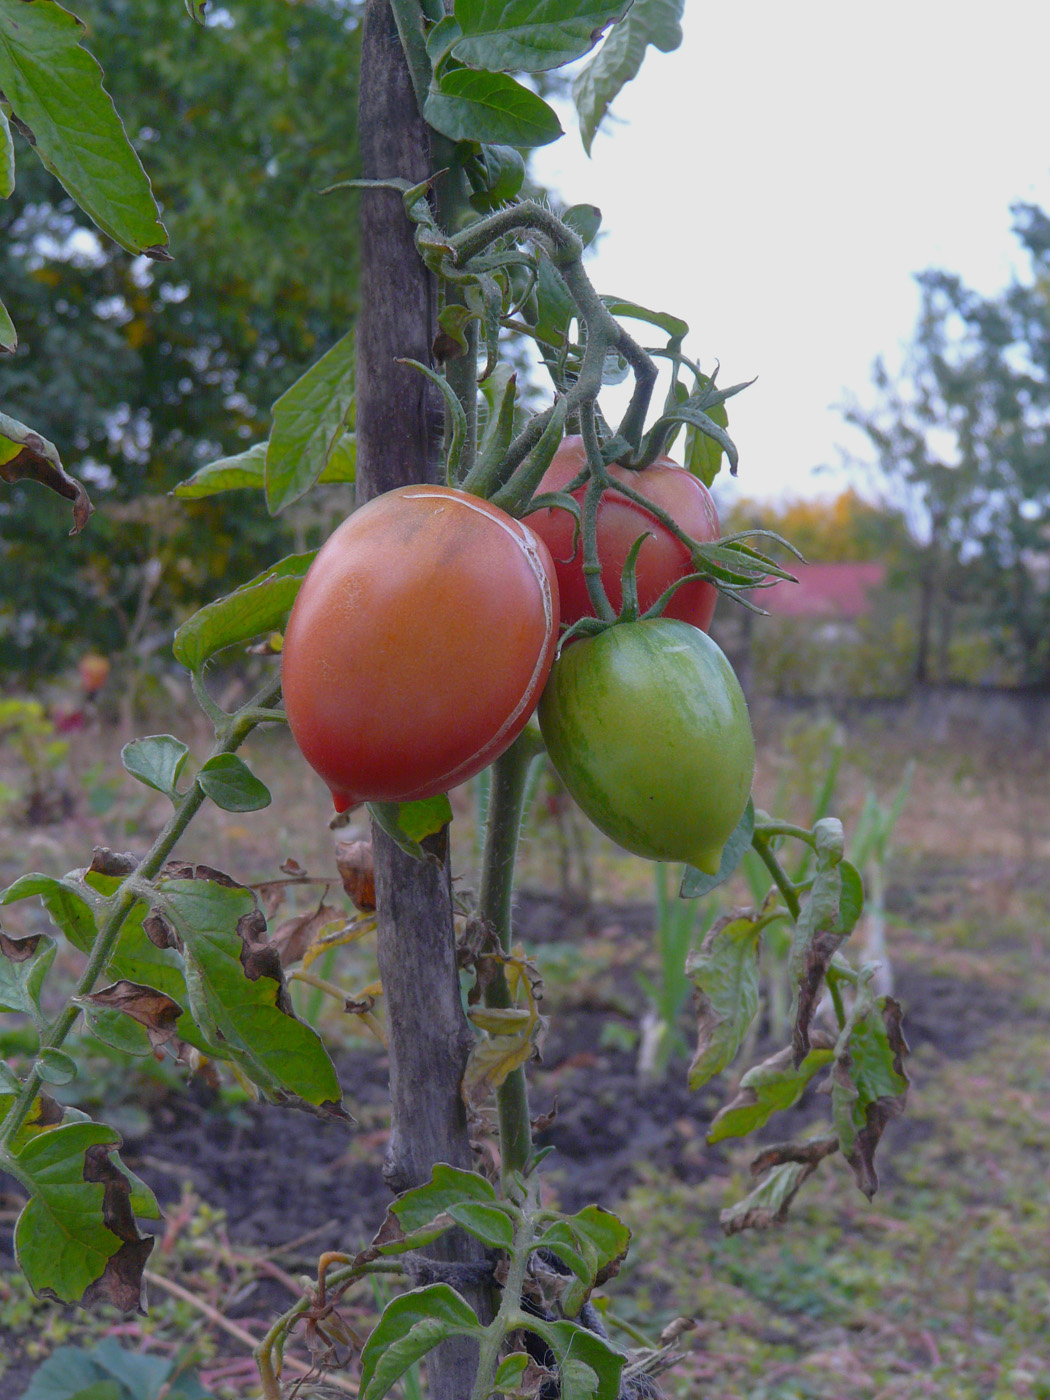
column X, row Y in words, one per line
column 418, row 645
column 648, row 728
column 662, row 560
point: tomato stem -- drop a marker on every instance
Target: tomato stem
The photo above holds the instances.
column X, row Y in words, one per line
column 762, row 848
column 592, row 568
column 509, row 784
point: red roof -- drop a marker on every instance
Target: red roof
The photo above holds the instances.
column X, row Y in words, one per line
column 823, row 590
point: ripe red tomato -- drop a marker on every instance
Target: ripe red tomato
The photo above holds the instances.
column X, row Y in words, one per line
column 419, row 644
column 662, row 558
column 648, row 728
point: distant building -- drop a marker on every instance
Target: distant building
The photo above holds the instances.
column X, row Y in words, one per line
column 828, row 592
column 836, row 631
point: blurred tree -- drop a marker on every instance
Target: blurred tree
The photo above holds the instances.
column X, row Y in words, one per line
column 963, row 443
column 845, row 529
column 142, row 371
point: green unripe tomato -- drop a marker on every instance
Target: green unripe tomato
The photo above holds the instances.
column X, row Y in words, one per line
column 648, row 728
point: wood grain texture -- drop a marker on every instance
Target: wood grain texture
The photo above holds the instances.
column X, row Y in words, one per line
column 398, row 429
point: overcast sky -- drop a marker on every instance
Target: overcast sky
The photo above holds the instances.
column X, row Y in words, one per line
column 780, row 178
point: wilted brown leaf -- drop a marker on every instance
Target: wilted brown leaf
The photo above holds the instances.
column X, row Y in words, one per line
column 260, row 958
column 878, row 1109
column 770, row 1202
column 818, row 956
column 121, row 1283
column 19, row 950
column 676, row 1329
column 543, row 1121
column 152, row 1009
column 810, row 1153
column 115, row 863
column 26, row 456
column 356, row 865
column 183, row 870
column 293, row 937
column 495, row 1056
column 159, row 932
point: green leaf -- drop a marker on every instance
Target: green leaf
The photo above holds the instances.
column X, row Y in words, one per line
column 555, row 308
column 530, row 35
column 411, row 1325
column 309, row 421
column 703, row 453
column 489, row 1223
column 7, row 158
column 62, row 1241
column 118, row 1031
column 410, row 823
column 768, row 1088
column 441, row 38
column 262, row 605
column 247, row 471
column 576, row 1347
column 500, row 177
column 447, row 1187
column 696, row 883
column 156, row 761
column 66, row 905
column 499, row 396
column 608, row 1236
column 491, row 108
column 619, row 59
column 8, row 334
column 65, row 1375
column 701, row 420
column 232, row 785
column 593, row 1243
column 237, row 995
column 851, row 898
column 24, row 964
column 54, row 87
column 724, row 973
column 578, row 1254
column 585, row 220
column 452, row 1196
column 674, row 327
column 511, row 1369
column 578, row 1380
column 101, row 1390
column 142, row 1376
column 56, row 1067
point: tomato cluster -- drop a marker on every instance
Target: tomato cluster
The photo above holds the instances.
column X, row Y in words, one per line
column 424, row 636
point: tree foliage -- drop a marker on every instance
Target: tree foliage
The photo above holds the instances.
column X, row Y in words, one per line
column 144, row 370
column 848, row 528
column 962, row 440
